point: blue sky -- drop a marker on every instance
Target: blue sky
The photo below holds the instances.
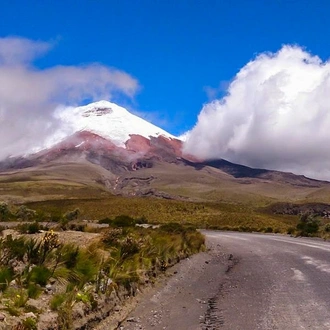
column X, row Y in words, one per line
column 175, row 49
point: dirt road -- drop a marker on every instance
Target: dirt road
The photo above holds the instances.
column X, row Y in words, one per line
column 245, row 282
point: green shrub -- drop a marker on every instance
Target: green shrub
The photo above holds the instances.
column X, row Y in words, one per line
column 269, row 230
column 105, row 221
column 30, row 323
column 57, row 300
column 308, row 224
column 5, row 214
column 123, row 221
column 291, row 231
column 327, row 228
column 64, row 316
column 25, row 214
column 195, row 242
column 33, row 291
column 111, row 236
column 72, row 215
column 17, row 297
column 12, row 310
column 29, row 228
column 39, row 275
column 86, row 268
column 11, row 248
column 142, row 220
column 129, row 246
column 173, row 228
column 6, row 276
column 69, row 255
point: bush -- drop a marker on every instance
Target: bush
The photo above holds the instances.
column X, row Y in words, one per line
column 308, row 224
column 111, row 236
column 57, row 301
column 86, row 268
column 12, row 248
column 29, row 228
column 6, row 276
column 327, row 228
column 30, row 323
column 33, row 291
column 172, row 228
column 72, row 215
column 4, row 211
column 291, row 231
column 269, row 230
column 105, row 221
column 39, row 275
column 25, row 214
column 123, row 221
column 69, row 255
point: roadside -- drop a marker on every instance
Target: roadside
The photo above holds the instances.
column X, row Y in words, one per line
column 185, row 300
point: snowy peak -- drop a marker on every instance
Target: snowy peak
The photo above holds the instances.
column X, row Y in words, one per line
column 109, row 121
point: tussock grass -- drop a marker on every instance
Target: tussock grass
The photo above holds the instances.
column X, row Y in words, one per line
column 219, row 215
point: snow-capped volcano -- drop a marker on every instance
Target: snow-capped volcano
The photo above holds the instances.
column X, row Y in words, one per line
column 109, row 121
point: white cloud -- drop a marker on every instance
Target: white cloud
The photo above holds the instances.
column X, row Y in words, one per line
column 28, row 96
column 15, row 50
column 275, row 115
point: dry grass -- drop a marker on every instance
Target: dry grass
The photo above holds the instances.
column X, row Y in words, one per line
column 216, row 198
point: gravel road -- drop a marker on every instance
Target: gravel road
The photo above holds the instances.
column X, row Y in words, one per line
column 244, row 282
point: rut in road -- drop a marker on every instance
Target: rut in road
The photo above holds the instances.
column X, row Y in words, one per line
column 213, row 318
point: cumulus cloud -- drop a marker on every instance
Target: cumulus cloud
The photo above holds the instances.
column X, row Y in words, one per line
column 276, row 115
column 29, row 96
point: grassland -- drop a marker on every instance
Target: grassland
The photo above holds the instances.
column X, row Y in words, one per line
column 209, row 198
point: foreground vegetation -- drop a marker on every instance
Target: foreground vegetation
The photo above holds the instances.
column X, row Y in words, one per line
column 45, row 280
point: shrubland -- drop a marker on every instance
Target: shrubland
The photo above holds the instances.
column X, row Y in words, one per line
column 67, row 278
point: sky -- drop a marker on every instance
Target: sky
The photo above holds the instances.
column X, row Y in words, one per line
column 230, row 72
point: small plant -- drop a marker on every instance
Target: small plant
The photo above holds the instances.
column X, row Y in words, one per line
column 29, row 228
column 33, row 291
column 5, row 213
column 129, row 246
column 57, row 301
column 85, row 269
column 82, row 297
column 6, row 276
column 112, row 236
column 69, row 254
column 11, row 248
column 64, row 318
column 30, row 323
column 12, row 310
column 20, row 298
column 39, row 275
